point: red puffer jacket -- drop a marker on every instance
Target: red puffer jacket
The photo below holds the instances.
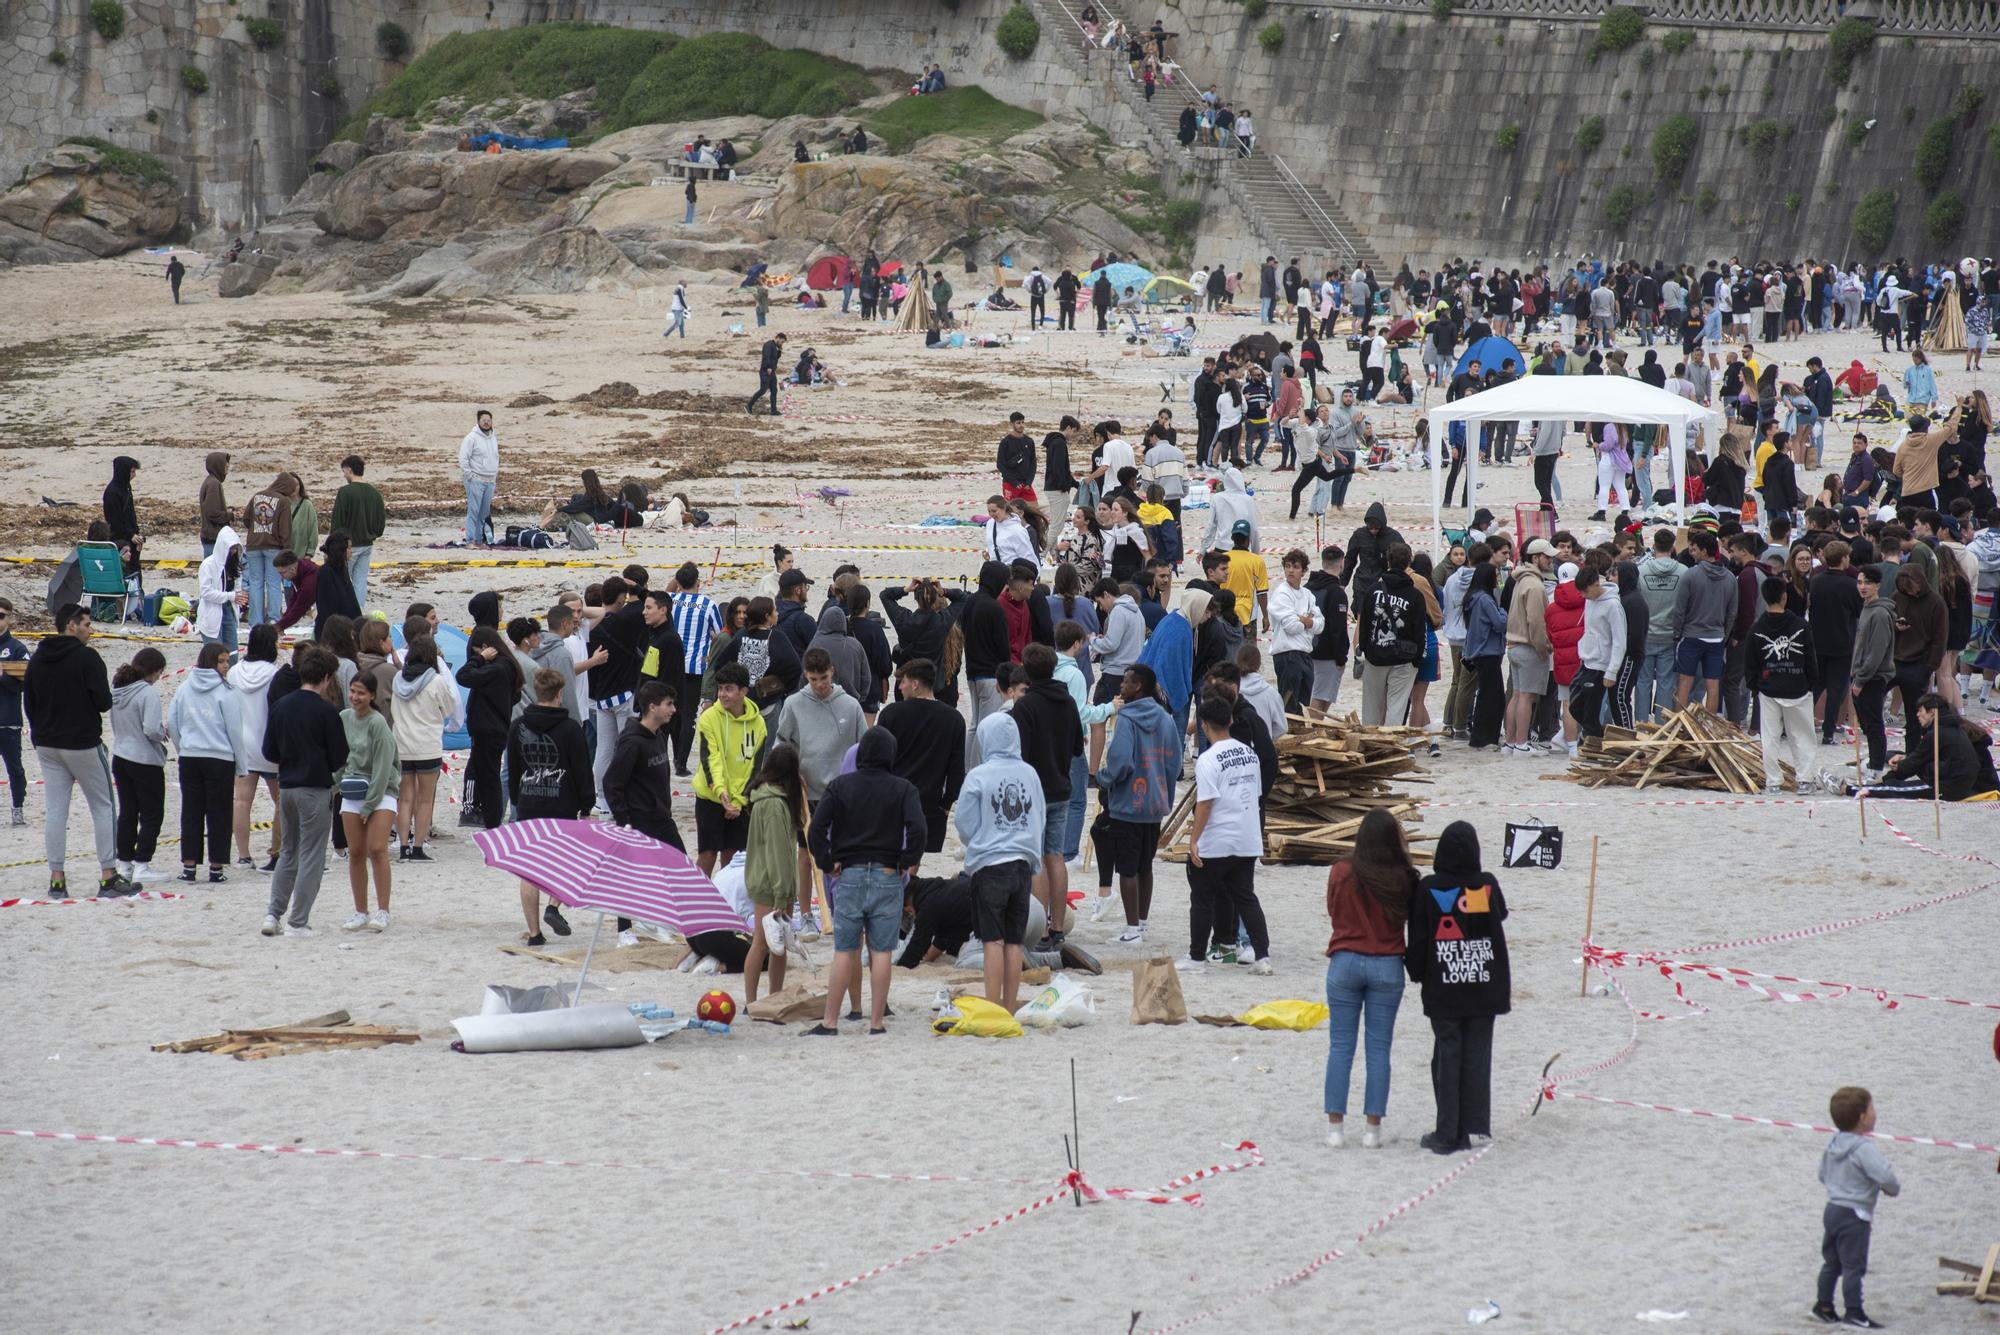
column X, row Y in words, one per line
column 1566, row 631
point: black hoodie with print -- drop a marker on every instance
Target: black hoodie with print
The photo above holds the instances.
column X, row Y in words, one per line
column 548, row 765
column 1457, row 949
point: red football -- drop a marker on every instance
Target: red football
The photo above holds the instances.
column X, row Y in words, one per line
column 717, row 1006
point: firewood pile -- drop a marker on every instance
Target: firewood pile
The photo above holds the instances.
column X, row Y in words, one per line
column 321, row 1033
column 1332, row 771
column 1692, row 749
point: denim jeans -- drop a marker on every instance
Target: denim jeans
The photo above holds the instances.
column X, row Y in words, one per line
column 1656, row 682
column 1361, row 988
column 225, row 634
column 867, row 902
column 1079, row 796
column 478, row 510
column 267, row 594
column 357, row 573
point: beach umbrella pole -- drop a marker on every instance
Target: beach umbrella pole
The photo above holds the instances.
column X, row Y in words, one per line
column 576, row 999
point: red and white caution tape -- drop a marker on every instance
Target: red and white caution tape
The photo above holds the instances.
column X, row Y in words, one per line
column 92, row 899
column 1551, row 1092
column 1837, row 925
column 1920, row 846
column 318, row 1152
column 1073, row 1181
column 1742, row 978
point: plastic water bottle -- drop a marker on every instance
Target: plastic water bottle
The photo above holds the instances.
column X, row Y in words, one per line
column 1485, row 1312
column 709, row 1026
column 650, row 1010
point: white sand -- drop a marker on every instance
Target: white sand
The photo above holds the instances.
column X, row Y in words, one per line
column 1575, row 1221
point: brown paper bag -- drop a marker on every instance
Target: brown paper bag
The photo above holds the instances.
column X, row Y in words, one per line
column 1156, row 994
column 793, row 1003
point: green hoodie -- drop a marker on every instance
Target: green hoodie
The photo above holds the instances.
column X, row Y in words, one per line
column 770, row 864
column 371, row 755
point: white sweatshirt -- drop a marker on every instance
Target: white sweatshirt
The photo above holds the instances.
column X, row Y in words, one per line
column 479, row 455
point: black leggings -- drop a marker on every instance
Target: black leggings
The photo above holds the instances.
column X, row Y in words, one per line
column 142, row 802
column 207, row 786
column 1489, row 700
column 1222, row 892
column 483, row 770
column 1314, row 470
column 1451, row 478
column 10, row 754
column 1545, row 479
column 687, row 712
column 1912, row 680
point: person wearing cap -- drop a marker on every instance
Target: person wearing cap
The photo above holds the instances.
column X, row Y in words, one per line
column 795, row 623
column 1528, row 647
column 1248, row 579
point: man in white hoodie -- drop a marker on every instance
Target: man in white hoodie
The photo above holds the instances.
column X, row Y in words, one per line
column 479, row 466
column 1600, row 651
column 1294, row 622
column 221, row 595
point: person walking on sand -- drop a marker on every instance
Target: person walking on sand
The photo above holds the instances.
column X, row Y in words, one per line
column 767, row 374
column 1368, row 898
column 677, row 308
column 479, row 468
column 304, row 738
column 358, row 511
column 176, row 271
column 67, row 695
column 1457, row 956
column 368, row 791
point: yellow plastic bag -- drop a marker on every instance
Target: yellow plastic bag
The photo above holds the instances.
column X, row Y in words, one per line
column 171, row 606
column 1299, row 1015
column 980, row 1018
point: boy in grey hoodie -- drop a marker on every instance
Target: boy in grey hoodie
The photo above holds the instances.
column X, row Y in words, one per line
column 1000, row 815
column 1704, row 614
column 850, row 660
column 1660, row 578
column 1856, row 1174
column 820, row 722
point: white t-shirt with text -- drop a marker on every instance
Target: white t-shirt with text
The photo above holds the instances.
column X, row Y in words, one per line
column 1228, row 776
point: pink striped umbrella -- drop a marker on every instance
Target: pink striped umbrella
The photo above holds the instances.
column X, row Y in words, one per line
column 587, row 864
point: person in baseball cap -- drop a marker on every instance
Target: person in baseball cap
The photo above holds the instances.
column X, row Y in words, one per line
column 1538, row 547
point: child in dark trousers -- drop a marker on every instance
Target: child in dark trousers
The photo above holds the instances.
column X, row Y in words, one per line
column 1855, row 1174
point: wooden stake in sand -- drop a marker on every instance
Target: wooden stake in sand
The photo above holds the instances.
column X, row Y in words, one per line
column 1589, row 916
column 1937, row 803
column 1860, row 793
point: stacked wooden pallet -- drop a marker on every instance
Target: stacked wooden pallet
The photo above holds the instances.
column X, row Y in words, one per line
column 1692, row 749
column 318, row 1034
column 1332, row 771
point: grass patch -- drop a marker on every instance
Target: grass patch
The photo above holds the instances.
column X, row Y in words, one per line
column 1933, row 154
column 1677, row 41
column 1625, row 203
column 108, row 17
column 1622, row 26
column 1850, row 39
column 125, row 161
column 1761, row 137
column 1589, row 134
column 1875, row 220
column 392, row 40
column 1945, row 218
column 1508, row 138
column 735, row 74
column 1673, row 145
column 1271, row 36
column 264, row 33
column 968, row 111
column 194, row 79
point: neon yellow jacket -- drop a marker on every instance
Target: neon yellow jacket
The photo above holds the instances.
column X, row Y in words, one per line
column 726, row 747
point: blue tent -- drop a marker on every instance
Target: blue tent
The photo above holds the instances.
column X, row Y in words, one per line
column 452, row 644
column 1122, row 276
column 480, row 141
column 1490, row 352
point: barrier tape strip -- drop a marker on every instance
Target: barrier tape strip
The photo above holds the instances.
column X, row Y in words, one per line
column 163, row 843
column 1920, row 846
column 92, row 899
column 1780, row 1123
column 316, row 1152
column 1836, row 925
column 1073, row 1181
column 1738, row 977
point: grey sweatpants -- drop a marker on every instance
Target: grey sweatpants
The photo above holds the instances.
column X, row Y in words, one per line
column 307, row 814
column 985, row 700
column 1843, row 1253
column 609, row 723
column 91, row 771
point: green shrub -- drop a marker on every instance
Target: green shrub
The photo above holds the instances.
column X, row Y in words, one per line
column 152, row 116
column 1707, row 199
column 967, row 111
column 1646, row 57
column 391, row 40
column 194, row 80
column 58, row 57
column 108, row 17
column 1589, row 135
column 1621, row 26
column 1624, row 203
column 1793, row 200
column 1761, row 137
column 124, row 161
column 1442, row 9
column 1993, row 142
column 1508, row 139
column 1875, row 220
column 537, row 62
column 1677, row 41
column 736, row 74
column 1857, row 130
column 1673, row 145
column 1179, row 221
column 264, row 33
column 329, row 85
column 1970, row 98
column 1255, row 8
column 1850, row 39
column 1017, row 32
column 1933, row 155
column 1271, row 36
column 1945, row 218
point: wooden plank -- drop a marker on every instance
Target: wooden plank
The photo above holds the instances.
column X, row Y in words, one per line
column 290, row 1035
column 1984, row 1293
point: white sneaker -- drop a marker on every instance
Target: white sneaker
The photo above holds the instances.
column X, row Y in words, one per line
column 708, row 965
column 297, row 931
column 775, row 930
column 1336, row 1135
column 124, row 870
column 1132, row 935
column 1371, row 1139
column 1262, row 968
column 355, row 922
column 1189, row 964
column 145, row 872
column 1246, row 954
column 270, row 927
column 1102, row 905
column 378, row 921
column 688, row 961
column 628, row 938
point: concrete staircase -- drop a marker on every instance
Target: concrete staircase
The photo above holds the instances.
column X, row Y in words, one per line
column 1289, row 216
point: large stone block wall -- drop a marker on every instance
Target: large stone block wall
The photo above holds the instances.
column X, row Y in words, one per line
column 1397, row 120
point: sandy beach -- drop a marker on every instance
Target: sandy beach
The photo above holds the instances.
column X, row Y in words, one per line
column 698, row 1197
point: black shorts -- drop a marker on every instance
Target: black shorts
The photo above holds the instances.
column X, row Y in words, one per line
column 1000, row 902
column 715, row 832
column 729, row 949
column 1132, row 846
column 1106, row 689
column 431, row 766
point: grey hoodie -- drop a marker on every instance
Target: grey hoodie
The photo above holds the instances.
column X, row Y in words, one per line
column 552, row 653
column 206, row 719
column 1000, row 810
column 1705, row 603
column 1124, row 636
column 1856, row 1173
column 821, row 731
column 1262, row 696
column 1875, row 639
column 137, row 734
column 1659, row 580
column 850, row 660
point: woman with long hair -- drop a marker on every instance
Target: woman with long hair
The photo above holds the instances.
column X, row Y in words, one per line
column 733, row 618
column 139, row 762
column 205, row 720
column 367, row 802
column 251, row 680
column 1723, row 485
column 1465, row 981
column 493, row 680
column 928, row 628
column 1798, row 576
column 1070, row 604
column 335, row 596
column 1485, row 650
column 1920, row 385
column 425, row 702
column 1036, row 522
column 770, row 863
column 1081, row 544
column 1957, row 596
column 1922, row 628
column 1427, row 666
column 1368, row 896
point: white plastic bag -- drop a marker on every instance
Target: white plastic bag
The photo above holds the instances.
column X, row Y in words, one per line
column 1065, row 1002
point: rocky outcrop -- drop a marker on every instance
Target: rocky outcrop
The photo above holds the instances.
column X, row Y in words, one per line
column 69, row 205
column 405, row 196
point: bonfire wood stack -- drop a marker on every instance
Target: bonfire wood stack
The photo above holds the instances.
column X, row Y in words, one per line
column 1332, row 771
column 320, row 1033
column 1692, row 749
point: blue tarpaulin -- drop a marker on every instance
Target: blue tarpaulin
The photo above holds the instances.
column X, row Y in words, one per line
column 1490, row 352
column 514, row 141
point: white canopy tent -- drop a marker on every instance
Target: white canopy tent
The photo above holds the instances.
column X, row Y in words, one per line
column 1569, row 398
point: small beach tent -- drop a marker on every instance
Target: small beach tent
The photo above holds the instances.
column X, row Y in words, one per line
column 1490, row 352
column 829, row 273
column 1570, row 398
